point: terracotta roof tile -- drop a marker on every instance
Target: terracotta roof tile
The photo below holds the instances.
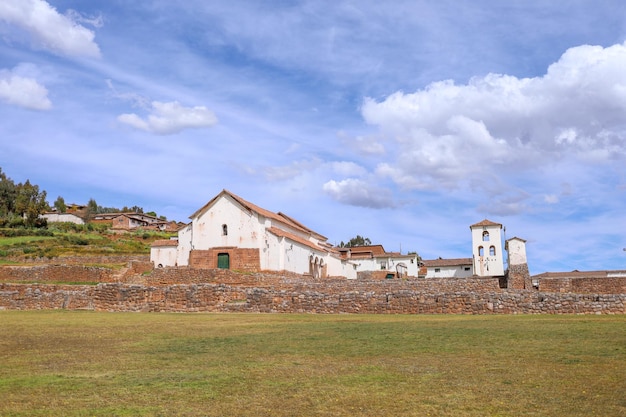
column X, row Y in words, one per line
column 280, row 217
column 447, row 262
column 281, row 233
column 165, row 242
column 579, row 274
column 370, row 249
column 485, row 223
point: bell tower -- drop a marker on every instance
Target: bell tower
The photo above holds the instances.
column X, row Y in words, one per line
column 487, row 249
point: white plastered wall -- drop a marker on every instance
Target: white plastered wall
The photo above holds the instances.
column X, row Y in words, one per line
column 487, row 264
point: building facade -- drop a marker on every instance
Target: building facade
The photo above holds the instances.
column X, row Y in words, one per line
column 448, row 268
column 374, row 258
column 487, row 249
column 231, row 233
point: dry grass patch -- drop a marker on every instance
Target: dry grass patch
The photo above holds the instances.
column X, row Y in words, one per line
column 86, row 363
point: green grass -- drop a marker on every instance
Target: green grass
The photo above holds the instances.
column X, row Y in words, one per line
column 59, row 243
column 59, row 363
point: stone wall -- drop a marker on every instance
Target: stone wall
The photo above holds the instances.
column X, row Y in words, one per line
column 285, row 280
column 46, row 297
column 584, row 285
column 57, row 274
column 91, row 260
column 226, row 298
column 218, row 290
column 519, row 277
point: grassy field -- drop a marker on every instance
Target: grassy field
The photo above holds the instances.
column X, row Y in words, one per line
column 60, row 363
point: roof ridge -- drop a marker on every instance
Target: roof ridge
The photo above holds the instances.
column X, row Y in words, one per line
column 281, row 217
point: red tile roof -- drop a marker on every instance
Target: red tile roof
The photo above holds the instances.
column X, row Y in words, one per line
column 165, row 242
column 580, row 274
column 281, row 233
column 485, row 223
column 374, row 250
column 280, row 217
column 447, row 262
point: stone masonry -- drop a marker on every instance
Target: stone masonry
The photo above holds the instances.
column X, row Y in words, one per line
column 213, row 290
column 365, row 299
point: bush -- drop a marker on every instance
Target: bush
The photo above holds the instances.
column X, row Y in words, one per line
column 25, row 232
column 76, row 240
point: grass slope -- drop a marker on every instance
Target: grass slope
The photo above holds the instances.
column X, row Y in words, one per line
column 58, row 363
column 21, row 245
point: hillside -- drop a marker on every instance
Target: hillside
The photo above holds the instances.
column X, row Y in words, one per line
column 24, row 246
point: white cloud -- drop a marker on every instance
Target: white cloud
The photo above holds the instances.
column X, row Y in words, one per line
column 347, row 168
column 23, row 91
column 446, row 133
column 169, row 118
column 357, row 192
column 293, row 170
column 363, row 145
column 48, row 29
column 551, row 198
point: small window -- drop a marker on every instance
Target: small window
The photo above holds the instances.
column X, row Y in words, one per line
column 481, row 251
column 485, row 236
column 437, row 269
column 467, row 268
column 492, row 251
column 224, row 230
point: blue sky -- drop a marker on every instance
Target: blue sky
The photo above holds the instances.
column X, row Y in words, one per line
column 403, row 122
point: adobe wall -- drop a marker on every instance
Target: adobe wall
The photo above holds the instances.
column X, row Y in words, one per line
column 378, row 275
column 225, row 298
column 613, row 285
column 241, row 259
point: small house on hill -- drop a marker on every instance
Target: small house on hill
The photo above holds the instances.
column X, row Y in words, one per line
column 232, row 233
column 133, row 221
column 56, row 217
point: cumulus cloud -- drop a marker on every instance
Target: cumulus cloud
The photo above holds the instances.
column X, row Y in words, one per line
column 50, row 30
column 23, row 91
column 357, row 192
column 169, row 118
column 448, row 133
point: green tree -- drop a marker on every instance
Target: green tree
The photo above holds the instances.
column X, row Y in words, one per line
column 356, row 241
column 30, row 203
column 8, row 193
column 59, row 204
column 92, row 208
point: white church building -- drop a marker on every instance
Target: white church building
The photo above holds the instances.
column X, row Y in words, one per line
column 232, row 233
